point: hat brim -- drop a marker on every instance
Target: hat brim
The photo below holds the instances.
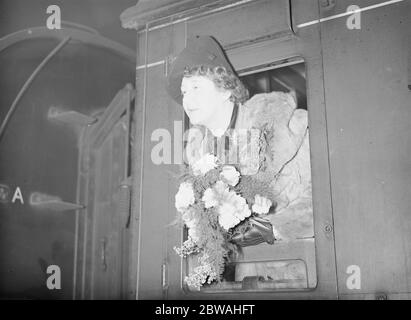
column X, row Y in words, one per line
column 200, row 51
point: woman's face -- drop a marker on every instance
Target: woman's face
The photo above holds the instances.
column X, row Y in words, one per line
column 202, row 100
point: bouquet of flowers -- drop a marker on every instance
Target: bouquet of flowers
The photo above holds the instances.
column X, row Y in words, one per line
column 221, row 210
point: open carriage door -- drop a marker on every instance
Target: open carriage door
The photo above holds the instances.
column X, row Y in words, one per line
column 102, row 229
column 257, row 36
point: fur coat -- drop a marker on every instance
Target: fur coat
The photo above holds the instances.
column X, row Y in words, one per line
column 276, row 150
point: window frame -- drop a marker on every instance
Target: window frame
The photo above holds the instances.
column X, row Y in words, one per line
column 231, row 287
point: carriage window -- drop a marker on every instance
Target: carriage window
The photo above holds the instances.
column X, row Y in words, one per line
column 289, row 262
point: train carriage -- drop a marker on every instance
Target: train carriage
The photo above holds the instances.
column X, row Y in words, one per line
column 348, row 65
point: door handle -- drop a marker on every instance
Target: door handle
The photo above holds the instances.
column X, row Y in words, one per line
column 103, row 254
column 124, row 205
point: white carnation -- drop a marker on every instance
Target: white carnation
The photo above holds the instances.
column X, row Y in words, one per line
column 221, row 188
column 261, row 204
column 209, row 198
column 227, row 218
column 243, row 211
column 230, row 175
column 184, row 196
column 233, row 210
column 191, row 223
column 192, row 230
column 204, row 164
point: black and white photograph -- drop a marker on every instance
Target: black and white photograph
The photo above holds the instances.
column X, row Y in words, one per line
column 224, row 151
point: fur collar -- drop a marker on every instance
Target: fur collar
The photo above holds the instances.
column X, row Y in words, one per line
column 282, row 130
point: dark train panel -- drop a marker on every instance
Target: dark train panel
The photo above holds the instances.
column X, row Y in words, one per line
column 368, row 116
column 358, row 127
column 40, row 148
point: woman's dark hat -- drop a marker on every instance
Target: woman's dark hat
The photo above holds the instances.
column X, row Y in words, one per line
column 200, row 50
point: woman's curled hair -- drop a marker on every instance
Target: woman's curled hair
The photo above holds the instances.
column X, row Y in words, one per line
column 223, row 79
